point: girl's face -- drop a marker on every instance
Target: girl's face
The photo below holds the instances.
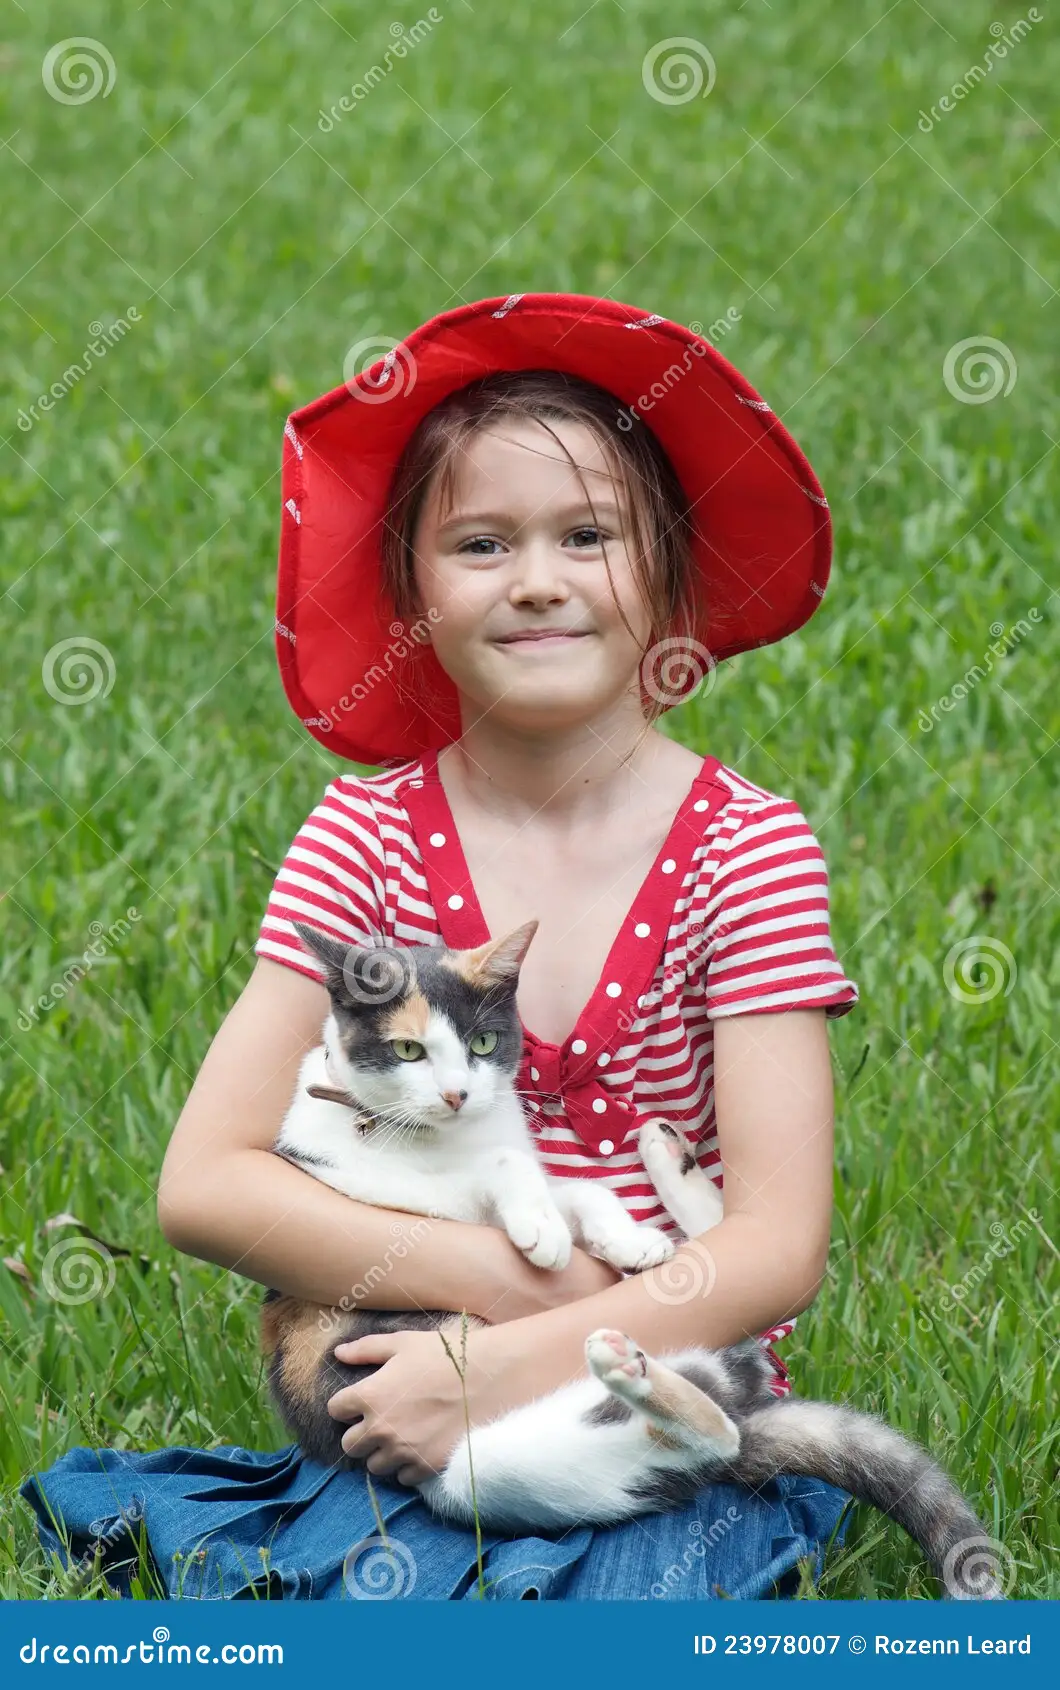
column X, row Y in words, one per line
column 529, row 628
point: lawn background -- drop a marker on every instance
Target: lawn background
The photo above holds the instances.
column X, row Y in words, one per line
column 514, row 149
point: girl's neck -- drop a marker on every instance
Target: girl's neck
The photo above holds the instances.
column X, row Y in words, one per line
column 571, row 777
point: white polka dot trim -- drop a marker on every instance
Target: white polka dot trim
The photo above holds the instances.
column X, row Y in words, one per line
column 606, row 1147
column 534, row 1075
column 668, row 866
column 535, row 1106
column 437, row 839
column 599, row 1105
column 603, row 1059
column 642, row 930
column 701, row 804
column 456, row 902
column 578, row 1046
column 613, row 989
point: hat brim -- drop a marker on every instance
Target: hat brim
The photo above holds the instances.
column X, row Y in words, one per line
column 349, row 670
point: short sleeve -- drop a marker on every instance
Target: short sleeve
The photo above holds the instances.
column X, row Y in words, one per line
column 333, row 878
column 766, row 940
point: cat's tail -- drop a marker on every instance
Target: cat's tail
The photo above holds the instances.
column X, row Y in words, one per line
column 863, row 1455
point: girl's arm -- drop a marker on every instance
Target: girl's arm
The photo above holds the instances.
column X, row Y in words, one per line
column 223, row 1195
column 763, row 1263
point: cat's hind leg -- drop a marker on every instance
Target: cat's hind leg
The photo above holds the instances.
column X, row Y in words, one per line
column 684, row 1417
column 686, row 1190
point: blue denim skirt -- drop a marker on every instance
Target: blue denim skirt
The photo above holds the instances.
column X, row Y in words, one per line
column 238, row 1523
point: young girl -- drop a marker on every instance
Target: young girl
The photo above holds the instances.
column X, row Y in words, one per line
column 505, row 553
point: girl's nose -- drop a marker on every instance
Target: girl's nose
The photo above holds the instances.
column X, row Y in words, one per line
column 539, row 576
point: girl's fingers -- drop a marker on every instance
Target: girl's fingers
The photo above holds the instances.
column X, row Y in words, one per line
column 346, row 1404
column 413, row 1475
column 381, row 1463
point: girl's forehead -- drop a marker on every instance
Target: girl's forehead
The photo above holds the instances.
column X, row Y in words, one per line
column 517, row 462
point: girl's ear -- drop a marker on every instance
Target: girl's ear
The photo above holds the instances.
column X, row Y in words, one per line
column 498, row 961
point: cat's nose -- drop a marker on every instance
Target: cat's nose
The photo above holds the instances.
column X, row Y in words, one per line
column 455, row 1099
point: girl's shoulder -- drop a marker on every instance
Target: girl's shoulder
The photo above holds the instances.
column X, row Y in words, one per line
column 749, row 804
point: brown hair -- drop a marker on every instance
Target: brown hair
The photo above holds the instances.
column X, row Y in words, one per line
column 660, row 517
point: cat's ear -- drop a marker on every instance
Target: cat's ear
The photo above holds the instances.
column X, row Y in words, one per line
column 498, row 961
column 354, row 974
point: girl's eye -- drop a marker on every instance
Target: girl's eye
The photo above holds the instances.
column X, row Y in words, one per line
column 584, row 544
column 479, row 540
column 407, row 1050
column 481, row 1044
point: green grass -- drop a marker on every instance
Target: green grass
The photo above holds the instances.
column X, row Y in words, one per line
column 516, row 148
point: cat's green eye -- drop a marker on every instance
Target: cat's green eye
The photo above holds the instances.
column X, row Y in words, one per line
column 407, row 1050
column 481, row 1044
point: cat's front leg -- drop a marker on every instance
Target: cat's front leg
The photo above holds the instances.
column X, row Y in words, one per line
column 686, row 1189
column 602, row 1223
column 519, row 1196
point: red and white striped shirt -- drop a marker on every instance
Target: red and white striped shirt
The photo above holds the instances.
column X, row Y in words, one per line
column 731, row 919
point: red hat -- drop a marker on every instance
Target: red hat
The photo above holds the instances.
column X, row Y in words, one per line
column 351, row 672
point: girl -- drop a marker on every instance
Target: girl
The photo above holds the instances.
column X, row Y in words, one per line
column 506, row 551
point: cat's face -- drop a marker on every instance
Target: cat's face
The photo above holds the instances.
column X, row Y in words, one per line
column 421, row 1035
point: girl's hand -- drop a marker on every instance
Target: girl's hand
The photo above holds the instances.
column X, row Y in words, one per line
column 409, row 1416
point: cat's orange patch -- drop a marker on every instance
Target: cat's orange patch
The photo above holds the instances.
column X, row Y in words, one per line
column 494, row 962
column 295, row 1328
column 408, row 1020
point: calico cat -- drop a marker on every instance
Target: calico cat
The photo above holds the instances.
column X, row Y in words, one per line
column 410, row 1103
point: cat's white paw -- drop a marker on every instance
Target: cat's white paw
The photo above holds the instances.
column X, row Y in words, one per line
column 617, row 1361
column 661, row 1144
column 633, row 1249
column 541, row 1233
